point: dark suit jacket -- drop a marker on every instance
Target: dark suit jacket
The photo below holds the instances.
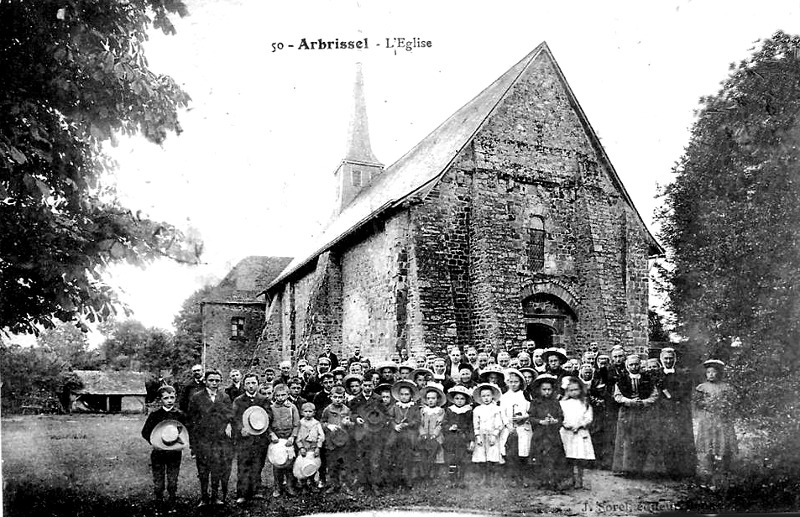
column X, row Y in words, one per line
column 187, row 391
column 333, row 358
column 240, row 404
column 207, row 420
column 232, row 391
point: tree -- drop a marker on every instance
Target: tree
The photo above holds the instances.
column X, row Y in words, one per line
column 657, row 332
column 69, row 345
column 732, row 222
column 73, row 75
column 189, row 331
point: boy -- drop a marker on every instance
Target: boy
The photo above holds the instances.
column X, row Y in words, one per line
column 322, row 399
column 310, row 438
column 371, row 418
column 284, row 423
column 336, row 421
column 165, row 463
column 295, row 387
column 251, row 447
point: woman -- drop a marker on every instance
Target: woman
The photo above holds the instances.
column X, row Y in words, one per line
column 713, row 406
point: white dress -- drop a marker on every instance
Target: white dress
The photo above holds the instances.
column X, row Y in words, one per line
column 514, row 403
column 487, row 420
column 577, row 415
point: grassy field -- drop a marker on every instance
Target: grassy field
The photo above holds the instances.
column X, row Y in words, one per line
column 99, row 465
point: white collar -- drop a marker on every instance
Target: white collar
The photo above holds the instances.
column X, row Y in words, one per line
column 430, row 410
column 669, row 370
column 460, row 410
column 635, row 376
column 404, row 405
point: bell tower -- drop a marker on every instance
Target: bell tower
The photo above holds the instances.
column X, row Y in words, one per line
column 359, row 168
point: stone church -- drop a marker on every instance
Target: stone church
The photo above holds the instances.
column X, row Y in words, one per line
column 506, row 223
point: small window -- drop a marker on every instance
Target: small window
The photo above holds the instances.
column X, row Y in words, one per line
column 237, row 327
column 356, row 178
column 536, row 236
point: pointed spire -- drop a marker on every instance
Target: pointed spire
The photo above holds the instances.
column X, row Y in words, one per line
column 358, row 145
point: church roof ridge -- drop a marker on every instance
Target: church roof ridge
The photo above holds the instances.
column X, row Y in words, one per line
column 426, row 162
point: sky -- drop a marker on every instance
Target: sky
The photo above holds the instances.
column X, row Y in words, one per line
column 266, row 128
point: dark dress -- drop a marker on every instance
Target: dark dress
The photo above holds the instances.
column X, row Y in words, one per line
column 550, row 466
column 675, row 433
column 635, row 423
column 456, row 443
column 605, row 419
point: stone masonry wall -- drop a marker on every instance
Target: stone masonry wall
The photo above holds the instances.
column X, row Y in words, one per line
column 222, row 351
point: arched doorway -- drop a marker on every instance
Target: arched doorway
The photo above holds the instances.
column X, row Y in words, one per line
column 540, row 334
column 549, row 321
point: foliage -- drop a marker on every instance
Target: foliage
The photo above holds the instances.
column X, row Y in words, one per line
column 75, row 76
column 731, row 221
column 189, row 331
column 130, row 345
column 656, row 330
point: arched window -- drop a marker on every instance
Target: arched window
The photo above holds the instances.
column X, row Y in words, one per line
column 536, row 234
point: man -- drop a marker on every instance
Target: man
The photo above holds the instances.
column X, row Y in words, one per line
column 235, row 389
column 328, row 354
column 192, row 387
column 269, row 375
column 404, row 355
column 314, row 384
column 452, row 363
column 323, row 398
column 251, row 449
column 635, row 394
column 483, row 362
column 676, row 436
column 356, row 357
column 472, row 356
column 284, row 373
column 209, row 422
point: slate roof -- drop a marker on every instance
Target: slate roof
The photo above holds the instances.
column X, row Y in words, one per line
column 247, row 279
column 97, row 382
column 422, row 166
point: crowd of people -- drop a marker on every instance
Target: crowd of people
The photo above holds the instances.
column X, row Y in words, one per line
column 529, row 417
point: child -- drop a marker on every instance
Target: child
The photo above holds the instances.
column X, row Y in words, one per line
column 457, row 426
column 284, row 424
column 517, row 434
column 575, row 428
column 547, row 451
column 487, row 423
column 336, row 420
column 165, row 458
column 371, row 419
column 310, row 438
column 430, row 431
column 404, row 418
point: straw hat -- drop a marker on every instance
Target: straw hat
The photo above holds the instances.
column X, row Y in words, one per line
column 492, row 368
column 338, row 436
column 714, row 363
column 561, row 353
column 544, row 377
column 404, row 384
column 427, row 371
column 255, row 420
column 351, row 377
column 279, row 454
column 306, row 466
column 169, row 435
column 529, row 369
column 455, row 390
column 408, row 365
column 442, row 400
column 496, row 393
column 387, row 364
column 518, row 373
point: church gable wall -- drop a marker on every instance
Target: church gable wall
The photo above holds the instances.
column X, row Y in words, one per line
column 536, row 170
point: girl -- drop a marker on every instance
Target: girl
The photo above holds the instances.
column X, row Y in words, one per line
column 404, row 419
column 487, row 423
column 547, row 451
column 457, row 430
column 430, row 431
column 575, row 428
column 716, row 439
column 517, row 433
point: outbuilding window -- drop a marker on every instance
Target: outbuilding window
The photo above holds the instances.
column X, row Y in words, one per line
column 237, row 327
